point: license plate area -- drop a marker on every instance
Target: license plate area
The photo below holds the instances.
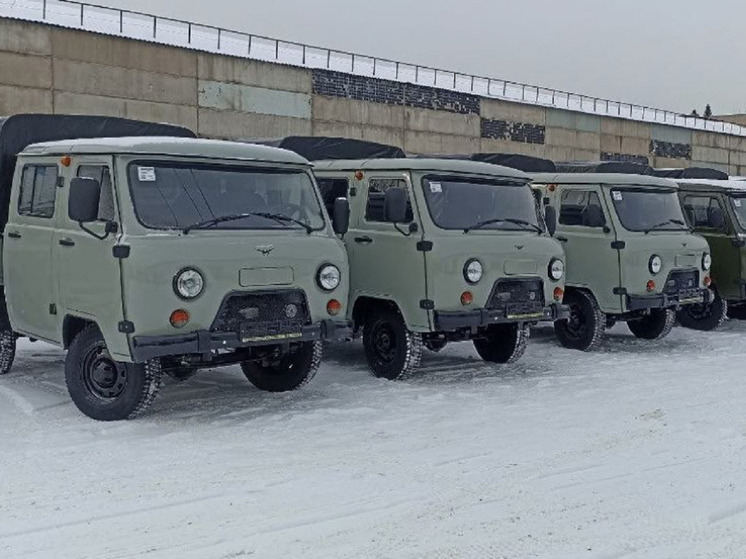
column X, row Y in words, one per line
column 252, row 332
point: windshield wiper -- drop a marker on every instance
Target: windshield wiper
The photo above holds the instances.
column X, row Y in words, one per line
column 235, row 217
column 674, row 221
column 522, row 222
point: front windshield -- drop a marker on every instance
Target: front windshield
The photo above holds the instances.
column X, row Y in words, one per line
column 647, row 209
column 171, row 195
column 739, row 208
column 464, row 203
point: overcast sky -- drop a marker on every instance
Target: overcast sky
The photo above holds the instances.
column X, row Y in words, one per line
column 673, row 54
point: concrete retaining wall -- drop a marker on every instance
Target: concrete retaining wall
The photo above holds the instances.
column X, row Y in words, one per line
column 53, row 70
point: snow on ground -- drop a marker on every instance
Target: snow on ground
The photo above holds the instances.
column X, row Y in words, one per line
column 636, row 451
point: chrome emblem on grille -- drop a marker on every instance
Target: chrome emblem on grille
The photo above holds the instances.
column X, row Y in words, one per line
column 291, row 311
column 532, row 296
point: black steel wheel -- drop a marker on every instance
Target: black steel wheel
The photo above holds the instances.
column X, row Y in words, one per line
column 503, row 343
column 391, row 350
column 105, row 389
column 287, row 372
column 654, row 326
column 705, row 316
column 584, row 329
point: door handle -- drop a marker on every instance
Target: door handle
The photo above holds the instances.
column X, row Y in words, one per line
column 561, row 239
column 67, row 242
column 14, row 235
column 363, row 240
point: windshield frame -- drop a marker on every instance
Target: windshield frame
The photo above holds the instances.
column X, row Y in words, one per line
column 426, row 178
column 686, row 228
column 242, row 166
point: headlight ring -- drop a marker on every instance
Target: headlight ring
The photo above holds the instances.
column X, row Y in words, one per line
column 473, row 271
column 328, row 277
column 556, row 269
column 189, row 283
column 655, row 264
column 706, row 261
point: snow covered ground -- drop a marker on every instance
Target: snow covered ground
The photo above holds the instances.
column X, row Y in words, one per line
column 637, row 451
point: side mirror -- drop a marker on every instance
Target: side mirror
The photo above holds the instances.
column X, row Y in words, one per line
column 85, row 195
column 550, row 217
column 341, row 217
column 395, row 205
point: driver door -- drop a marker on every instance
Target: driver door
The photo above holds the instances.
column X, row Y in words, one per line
column 89, row 274
column 384, row 262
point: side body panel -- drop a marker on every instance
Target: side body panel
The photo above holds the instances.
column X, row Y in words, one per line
column 29, row 266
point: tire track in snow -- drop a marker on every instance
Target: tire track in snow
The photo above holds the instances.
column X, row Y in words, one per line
column 23, row 404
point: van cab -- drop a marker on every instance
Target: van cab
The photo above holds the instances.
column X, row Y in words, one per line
column 440, row 251
column 143, row 256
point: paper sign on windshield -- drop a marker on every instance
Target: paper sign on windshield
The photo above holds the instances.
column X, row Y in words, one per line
column 617, row 196
column 737, row 203
column 436, row 187
column 146, row 174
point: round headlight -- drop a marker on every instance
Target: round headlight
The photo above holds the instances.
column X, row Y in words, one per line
column 655, row 264
column 328, row 277
column 706, row 261
column 189, row 283
column 556, row 269
column 473, row 271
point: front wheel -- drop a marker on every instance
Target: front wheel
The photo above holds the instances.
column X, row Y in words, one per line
column 704, row 316
column 584, row 329
column 7, row 351
column 104, row 389
column 287, row 372
column 654, row 326
column 503, row 343
column 391, row 350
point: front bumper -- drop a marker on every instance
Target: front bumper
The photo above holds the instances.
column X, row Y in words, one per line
column 667, row 301
column 448, row 321
column 205, row 342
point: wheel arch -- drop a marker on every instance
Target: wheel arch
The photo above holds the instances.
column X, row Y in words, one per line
column 72, row 326
column 364, row 305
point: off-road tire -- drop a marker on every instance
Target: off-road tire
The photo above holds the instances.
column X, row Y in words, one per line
column 7, row 351
column 704, row 317
column 289, row 372
column 654, row 326
column 391, row 350
column 181, row 374
column 585, row 328
column 503, row 343
column 90, row 369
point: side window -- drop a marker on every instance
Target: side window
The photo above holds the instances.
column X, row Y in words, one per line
column 102, row 174
column 331, row 189
column 581, row 208
column 704, row 212
column 376, row 193
column 38, row 191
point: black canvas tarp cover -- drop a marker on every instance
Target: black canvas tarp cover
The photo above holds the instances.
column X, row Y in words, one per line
column 320, row 148
column 20, row 131
column 616, row 167
column 691, row 173
column 525, row 163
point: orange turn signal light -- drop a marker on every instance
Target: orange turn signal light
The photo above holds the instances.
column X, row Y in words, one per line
column 179, row 318
column 467, row 298
column 650, row 286
column 707, row 281
column 552, row 187
column 334, row 307
column 66, row 160
column 359, row 175
column 559, row 293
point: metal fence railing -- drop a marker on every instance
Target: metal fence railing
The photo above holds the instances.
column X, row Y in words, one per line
column 168, row 31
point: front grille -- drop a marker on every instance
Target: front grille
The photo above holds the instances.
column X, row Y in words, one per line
column 517, row 296
column 270, row 311
column 681, row 280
